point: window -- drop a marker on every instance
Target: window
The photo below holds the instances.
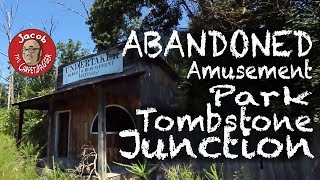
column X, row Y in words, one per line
column 117, row 119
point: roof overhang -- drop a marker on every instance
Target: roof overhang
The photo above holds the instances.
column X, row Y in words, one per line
column 42, row 102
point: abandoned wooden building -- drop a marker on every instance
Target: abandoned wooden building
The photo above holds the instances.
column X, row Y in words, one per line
column 104, row 88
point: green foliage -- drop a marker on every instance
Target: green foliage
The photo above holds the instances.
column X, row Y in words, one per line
column 242, row 174
column 29, row 150
column 34, row 128
column 184, row 171
column 110, row 22
column 57, row 174
column 3, row 95
column 213, row 173
column 142, row 170
column 181, row 171
column 20, row 163
column 29, row 87
column 258, row 17
column 8, row 121
column 70, row 51
column 15, row 164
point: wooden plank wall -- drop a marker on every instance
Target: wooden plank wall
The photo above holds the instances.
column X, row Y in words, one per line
column 83, row 110
column 158, row 88
column 293, row 169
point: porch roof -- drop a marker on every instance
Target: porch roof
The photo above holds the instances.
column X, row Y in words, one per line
column 42, row 102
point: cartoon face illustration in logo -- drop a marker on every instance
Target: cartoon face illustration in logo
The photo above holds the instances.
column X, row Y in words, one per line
column 31, row 52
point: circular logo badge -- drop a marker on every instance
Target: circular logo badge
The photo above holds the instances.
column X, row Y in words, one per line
column 32, row 52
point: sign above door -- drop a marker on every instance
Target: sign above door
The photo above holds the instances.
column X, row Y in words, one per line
column 94, row 66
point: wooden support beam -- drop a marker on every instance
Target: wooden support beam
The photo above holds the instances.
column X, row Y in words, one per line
column 51, row 134
column 102, row 136
column 20, row 123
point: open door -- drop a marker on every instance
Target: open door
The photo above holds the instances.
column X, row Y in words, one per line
column 63, row 121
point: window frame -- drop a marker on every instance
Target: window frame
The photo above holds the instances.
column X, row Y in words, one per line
column 112, row 132
column 57, row 130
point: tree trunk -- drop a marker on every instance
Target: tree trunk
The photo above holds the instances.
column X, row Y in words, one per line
column 10, row 89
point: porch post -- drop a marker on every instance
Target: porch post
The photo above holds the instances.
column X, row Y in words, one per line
column 51, row 134
column 102, row 137
column 20, row 123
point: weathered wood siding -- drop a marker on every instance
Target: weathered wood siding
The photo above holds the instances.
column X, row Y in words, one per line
column 158, row 87
column 83, row 110
column 144, row 82
column 297, row 168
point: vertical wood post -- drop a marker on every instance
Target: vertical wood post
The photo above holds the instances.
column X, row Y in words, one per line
column 20, row 123
column 102, row 137
column 51, row 134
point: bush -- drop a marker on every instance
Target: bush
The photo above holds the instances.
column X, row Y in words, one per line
column 29, row 150
column 213, row 174
column 143, row 170
column 181, row 171
column 35, row 126
column 8, row 121
column 13, row 163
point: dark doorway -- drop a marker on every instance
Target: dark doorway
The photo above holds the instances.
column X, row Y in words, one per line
column 63, row 133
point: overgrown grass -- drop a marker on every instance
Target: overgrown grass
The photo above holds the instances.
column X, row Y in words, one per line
column 34, row 125
column 15, row 164
column 57, row 174
column 20, row 163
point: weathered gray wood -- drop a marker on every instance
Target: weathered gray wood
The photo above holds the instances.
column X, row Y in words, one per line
column 296, row 168
column 102, row 137
column 158, row 88
column 20, row 123
column 51, row 149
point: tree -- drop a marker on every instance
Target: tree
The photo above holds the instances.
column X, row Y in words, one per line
column 6, row 27
column 70, row 51
column 110, row 22
column 3, row 95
